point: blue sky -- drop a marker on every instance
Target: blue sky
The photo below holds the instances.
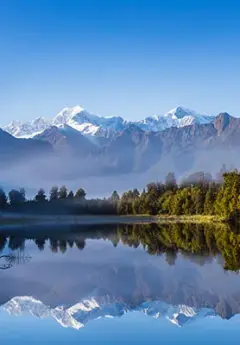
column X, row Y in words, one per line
column 127, row 58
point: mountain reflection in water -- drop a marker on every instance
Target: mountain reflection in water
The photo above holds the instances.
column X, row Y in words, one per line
column 180, row 272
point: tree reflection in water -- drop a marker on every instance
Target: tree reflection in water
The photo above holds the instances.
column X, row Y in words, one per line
column 198, row 242
column 11, row 259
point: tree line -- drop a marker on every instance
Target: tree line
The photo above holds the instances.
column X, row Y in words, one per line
column 198, row 194
column 59, row 201
column 201, row 196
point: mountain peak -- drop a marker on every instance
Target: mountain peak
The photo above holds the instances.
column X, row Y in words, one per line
column 27, row 129
column 94, row 125
column 224, row 115
column 180, row 112
column 66, row 114
column 222, row 121
column 78, row 315
column 71, row 110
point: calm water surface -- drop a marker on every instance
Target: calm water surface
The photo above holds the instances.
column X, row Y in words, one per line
column 143, row 284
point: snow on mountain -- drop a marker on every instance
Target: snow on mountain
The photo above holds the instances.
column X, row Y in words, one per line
column 93, row 125
column 90, row 124
column 66, row 114
column 27, row 129
column 177, row 117
column 181, row 117
column 153, row 123
column 25, row 304
column 79, row 314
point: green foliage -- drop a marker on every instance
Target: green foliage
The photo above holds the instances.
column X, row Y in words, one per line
column 203, row 197
column 199, row 243
column 228, row 202
column 115, row 197
column 129, row 202
column 210, row 199
column 170, row 181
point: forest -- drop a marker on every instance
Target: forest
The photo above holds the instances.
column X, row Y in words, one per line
column 198, row 194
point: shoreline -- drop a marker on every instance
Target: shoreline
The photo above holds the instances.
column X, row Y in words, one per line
column 16, row 220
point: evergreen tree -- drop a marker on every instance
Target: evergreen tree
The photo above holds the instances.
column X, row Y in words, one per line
column 175, row 203
column 219, row 176
column 115, row 197
column 22, row 194
column 41, row 196
column 53, row 193
column 228, row 202
column 80, row 194
column 210, row 200
column 199, row 200
column 3, row 199
column 70, row 195
column 62, row 193
column 152, row 195
column 135, row 193
column 187, row 201
column 170, row 181
column 16, row 197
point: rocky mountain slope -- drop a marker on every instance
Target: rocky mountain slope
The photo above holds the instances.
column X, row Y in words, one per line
column 13, row 149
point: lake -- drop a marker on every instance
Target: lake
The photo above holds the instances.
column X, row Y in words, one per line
column 120, row 284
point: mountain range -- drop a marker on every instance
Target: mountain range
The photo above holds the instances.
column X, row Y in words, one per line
column 77, row 144
column 78, row 315
column 89, row 124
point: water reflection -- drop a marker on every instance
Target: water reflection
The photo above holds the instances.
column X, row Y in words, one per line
column 198, row 242
column 182, row 272
column 16, row 257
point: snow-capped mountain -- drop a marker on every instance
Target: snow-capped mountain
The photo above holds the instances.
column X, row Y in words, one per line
column 27, row 129
column 93, row 125
column 177, row 117
column 78, row 315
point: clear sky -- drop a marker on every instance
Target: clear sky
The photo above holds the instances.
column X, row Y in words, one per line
column 127, row 58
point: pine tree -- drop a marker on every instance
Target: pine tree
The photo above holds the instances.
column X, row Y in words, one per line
column 41, row 196
column 53, row 193
column 16, row 197
column 80, row 194
column 70, row 195
column 22, row 195
column 199, row 200
column 228, row 202
column 170, row 181
column 62, row 193
column 3, row 199
column 115, row 197
column 210, row 200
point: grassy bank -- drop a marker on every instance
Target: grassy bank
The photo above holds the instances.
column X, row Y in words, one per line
column 191, row 219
